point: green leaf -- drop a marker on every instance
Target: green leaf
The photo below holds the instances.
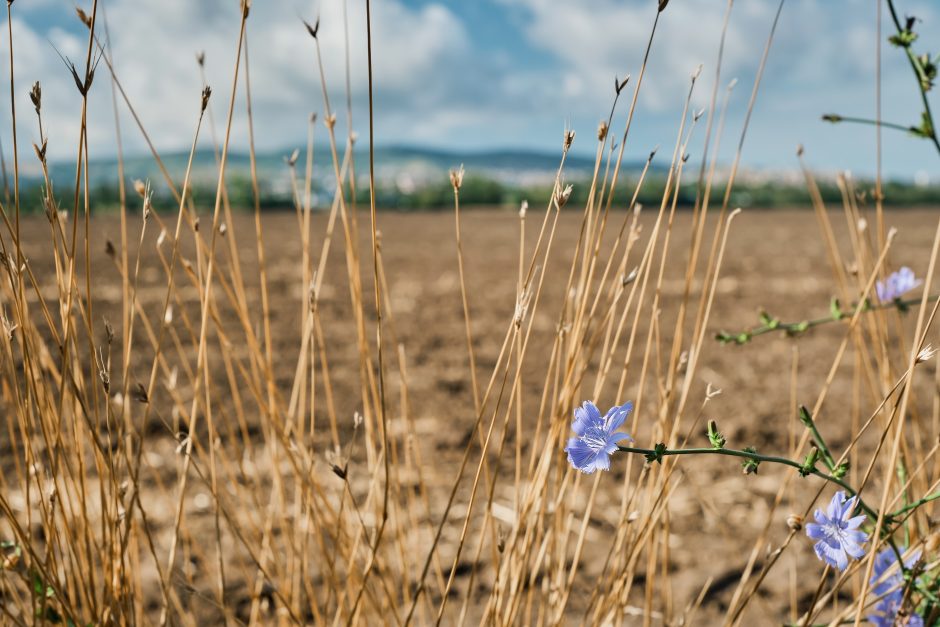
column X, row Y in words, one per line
column 797, row 328
column 39, row 586
column 835, row 309
column 903, row 38
column 925, row 129
column 724, row 338
column 750, row 465
column 928, row 68
column 656, row 455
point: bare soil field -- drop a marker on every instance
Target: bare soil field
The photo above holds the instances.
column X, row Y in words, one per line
column 775, row 261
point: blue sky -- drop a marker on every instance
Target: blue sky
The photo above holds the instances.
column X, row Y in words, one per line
column 480, row 74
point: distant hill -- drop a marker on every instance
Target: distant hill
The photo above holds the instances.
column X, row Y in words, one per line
column 410, row 177
column 408, row 167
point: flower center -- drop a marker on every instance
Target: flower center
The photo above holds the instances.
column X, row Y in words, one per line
column 595, row 438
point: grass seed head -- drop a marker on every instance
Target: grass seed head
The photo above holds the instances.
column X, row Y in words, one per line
column 711, row 391
column 619, row 85
column 84, row 17
column 631, row 277
column 9, row 327
column 562, row 196
column 522, row 307
column 104, row 373
column 139, row 394
column 926, row 354
column 41, row 151
column 206, row 93
column 339, row 471
column 35, row 95
column 291, row 159
column 456, row 177
column 313, row 30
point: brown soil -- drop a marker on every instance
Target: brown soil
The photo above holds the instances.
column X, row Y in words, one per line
column 775, row 260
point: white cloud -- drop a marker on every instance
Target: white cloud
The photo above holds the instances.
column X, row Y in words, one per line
column 439, row 82
column 154, row 47
column 822, row 59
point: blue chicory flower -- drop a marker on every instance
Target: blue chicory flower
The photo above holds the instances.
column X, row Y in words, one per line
column 837, row 535
column 897, row 284
column 595, row 437
column 888, row 584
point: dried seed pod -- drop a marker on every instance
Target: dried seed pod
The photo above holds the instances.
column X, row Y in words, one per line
column 35, row 95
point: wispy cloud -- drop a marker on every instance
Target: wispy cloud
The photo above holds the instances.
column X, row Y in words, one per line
column 506, row 73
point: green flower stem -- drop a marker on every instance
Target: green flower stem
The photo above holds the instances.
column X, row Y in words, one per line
column 915, row 504
column 915, row 66
column 794, row 328
column 662, row 451
column 835, row 119
column 757, row 457
column 810, row 424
